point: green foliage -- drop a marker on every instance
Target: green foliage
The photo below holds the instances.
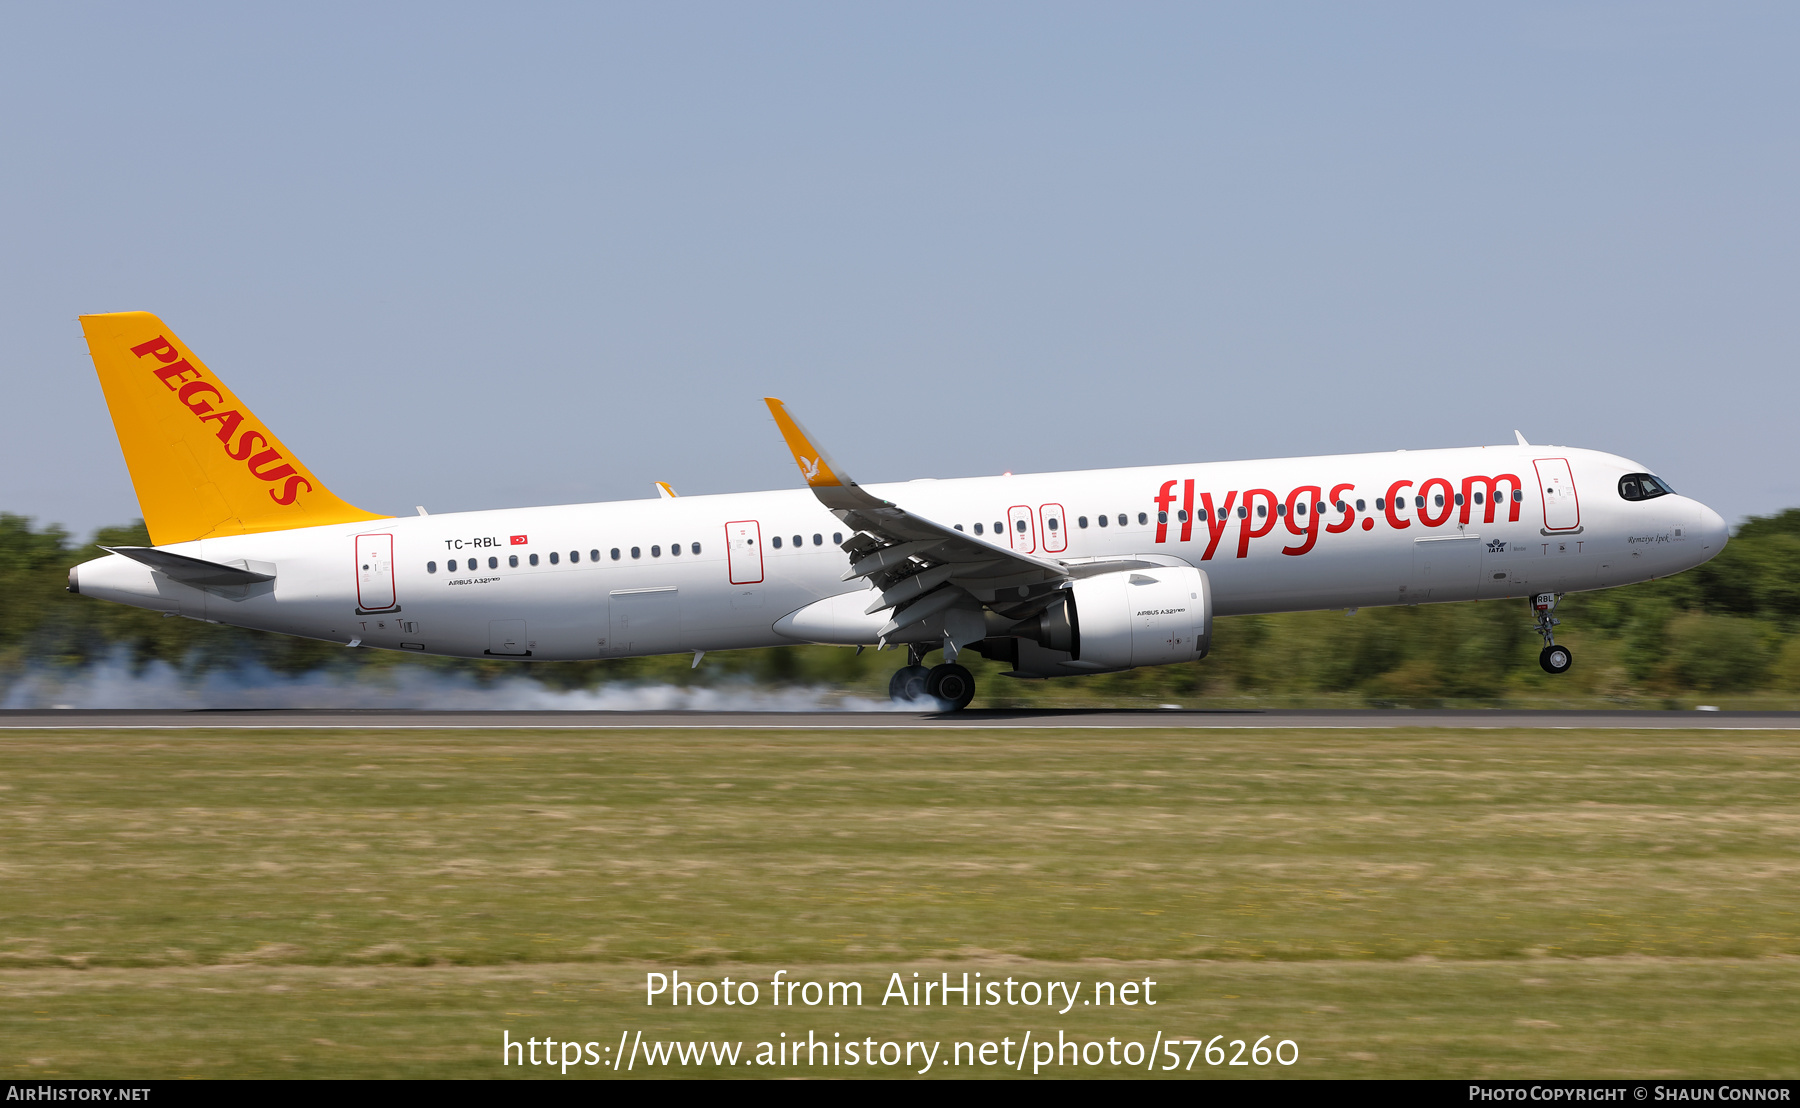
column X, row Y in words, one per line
column 1729, row 626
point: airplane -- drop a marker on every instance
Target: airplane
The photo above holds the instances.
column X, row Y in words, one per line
column 1051, row 574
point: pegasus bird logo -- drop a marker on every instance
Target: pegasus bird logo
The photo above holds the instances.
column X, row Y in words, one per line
column 810, row 467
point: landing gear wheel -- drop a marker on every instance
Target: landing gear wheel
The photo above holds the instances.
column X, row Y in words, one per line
column 1556, row 659
column 951, row 683
column 907, row 684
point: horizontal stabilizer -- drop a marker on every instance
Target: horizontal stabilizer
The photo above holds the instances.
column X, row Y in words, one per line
column 189, row 571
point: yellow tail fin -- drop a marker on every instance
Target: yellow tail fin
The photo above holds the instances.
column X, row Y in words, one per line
column 202, row 463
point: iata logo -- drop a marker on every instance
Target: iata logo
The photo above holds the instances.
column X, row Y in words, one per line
column 1496, row 546
column 192, row 390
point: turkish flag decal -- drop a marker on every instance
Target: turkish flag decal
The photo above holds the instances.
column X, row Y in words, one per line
column 518, row 540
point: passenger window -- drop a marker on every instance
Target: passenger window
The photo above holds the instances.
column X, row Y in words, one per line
column 1081, row 522
column 1051, row 523
column 1262, row 511
column 1418, row 502
column 999, row 527
column 797, row 542
column 1320, row 506
column 1361, row 507
column 494, row 563
column 959, row 527
column 555, row 557
column 534, row 559
column 1201, row 513
column 1280, row 510
column 775, row 541
column 512, row 560
column 1339, row 506
column 594, row 555
column 694, row 548
column 1518, row 494
column 1478, row 499
column 1103, row 521
column 1143, row 518
column 674, row 550
column 1439, row 498
column 1020, row 524
column 978, row 528
column 656, row 551
column 1300, row 508
column 431, row 567
column 615, row 553
column 1380, row 504
column 1182, row 515
column 1459, row 502
column 837, row 538
column 1122, row 519
column 637, row 552
column 819, row 540
column 1162, row 517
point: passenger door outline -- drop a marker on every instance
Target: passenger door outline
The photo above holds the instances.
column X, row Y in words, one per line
column 1556, row 488
column 375, row 573
column 743, row 552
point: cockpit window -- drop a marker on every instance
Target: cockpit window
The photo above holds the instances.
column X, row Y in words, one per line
column 1643, row 486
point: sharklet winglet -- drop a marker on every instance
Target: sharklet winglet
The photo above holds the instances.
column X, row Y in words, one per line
column 834, row 488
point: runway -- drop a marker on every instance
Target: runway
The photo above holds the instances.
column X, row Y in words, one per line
column 977, row 720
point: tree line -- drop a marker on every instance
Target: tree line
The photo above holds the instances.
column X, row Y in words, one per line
column 1726, row 631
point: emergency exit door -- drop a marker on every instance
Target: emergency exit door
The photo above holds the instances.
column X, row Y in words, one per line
column 1021, row 528
column 1562, row 511
column 374, row 572
column 1051, row 527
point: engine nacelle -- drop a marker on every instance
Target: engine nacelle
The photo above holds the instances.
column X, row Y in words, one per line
column 1140, row 617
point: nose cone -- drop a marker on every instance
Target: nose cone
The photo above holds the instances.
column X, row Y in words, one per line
column 1711, row 531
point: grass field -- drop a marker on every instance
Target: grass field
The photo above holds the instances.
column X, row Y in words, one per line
column 1398, row 903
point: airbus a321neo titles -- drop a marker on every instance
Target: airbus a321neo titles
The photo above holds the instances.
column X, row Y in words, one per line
column 1053, row 574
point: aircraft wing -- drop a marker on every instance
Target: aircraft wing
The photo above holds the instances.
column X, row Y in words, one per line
column 921, row 567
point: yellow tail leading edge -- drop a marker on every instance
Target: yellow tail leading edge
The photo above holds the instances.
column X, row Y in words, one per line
column 203, row 465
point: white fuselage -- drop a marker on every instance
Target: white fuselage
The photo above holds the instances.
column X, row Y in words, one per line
column 467, row 585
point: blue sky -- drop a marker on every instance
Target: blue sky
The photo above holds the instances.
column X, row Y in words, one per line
column 477, row 257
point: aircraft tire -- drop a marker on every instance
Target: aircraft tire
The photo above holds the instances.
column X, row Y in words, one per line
column 1556, row 659
column 908, row 684
column 952, row 684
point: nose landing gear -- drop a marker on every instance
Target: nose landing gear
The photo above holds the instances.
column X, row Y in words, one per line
column 1554, row 659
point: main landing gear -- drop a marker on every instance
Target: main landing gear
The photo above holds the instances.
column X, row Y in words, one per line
column 1554, row 659
column 948, row 683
